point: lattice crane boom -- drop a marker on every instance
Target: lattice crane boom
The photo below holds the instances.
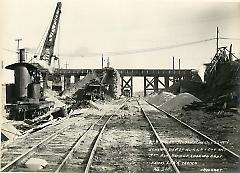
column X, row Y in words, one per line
column 48, row 47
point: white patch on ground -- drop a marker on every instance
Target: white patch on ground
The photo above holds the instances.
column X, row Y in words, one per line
column 130, row 138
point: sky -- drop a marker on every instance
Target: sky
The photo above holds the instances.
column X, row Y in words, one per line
column 133, row 34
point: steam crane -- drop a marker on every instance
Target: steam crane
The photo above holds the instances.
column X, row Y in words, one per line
column 48, row 47
column 47, row 53
column 26, row 95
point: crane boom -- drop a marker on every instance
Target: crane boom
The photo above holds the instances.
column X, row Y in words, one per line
column 48, row 47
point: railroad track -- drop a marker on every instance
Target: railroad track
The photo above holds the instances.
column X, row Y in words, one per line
column 186, row 149
column 67, row 144
column 128, row 143
column 21, row 149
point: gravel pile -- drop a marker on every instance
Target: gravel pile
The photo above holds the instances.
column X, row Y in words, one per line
column 179, row 101
column 161, row 98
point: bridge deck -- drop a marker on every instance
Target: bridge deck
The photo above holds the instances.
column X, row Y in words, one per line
column 131, row 72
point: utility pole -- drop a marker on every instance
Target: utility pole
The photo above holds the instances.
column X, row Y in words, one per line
column 173, row 71
column 18, row 46
column 26, row 54
column 179, row 64
column 217, row 38
column 230, row 53
column 108, row 62
column 179, row 67
column 18, row 42
column 102, row 61
column 179, row 79
column 66, row 65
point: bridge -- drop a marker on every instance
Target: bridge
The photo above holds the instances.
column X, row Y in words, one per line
column 153, row 78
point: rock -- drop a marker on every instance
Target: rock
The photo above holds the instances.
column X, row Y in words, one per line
column 36, row 164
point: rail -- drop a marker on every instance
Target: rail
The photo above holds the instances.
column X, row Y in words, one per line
column 231, row 153
column 29, row 152
column 76, row 145
column 160, row 141
column 90, row 159
column 81, row 138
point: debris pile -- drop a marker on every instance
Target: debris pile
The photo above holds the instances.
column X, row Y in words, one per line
column 222, row 79
column 190, row 86
column 112, row 78
column 224, row 84
column 160, row 98
column 80, row 85
column 221, row 86
column 179, row 101
column 98, row 85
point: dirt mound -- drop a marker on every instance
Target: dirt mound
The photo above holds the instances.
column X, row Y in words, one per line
column 161, row 98
column 179, row 101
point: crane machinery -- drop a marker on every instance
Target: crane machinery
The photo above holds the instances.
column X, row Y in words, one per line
column 25, row 97
column 46, row 57
column 46, row 61
column 48, row 47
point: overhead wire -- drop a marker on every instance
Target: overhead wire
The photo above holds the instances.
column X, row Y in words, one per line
column 228, row 38
column 137, row 51
column 145, row 50
column 40, row 45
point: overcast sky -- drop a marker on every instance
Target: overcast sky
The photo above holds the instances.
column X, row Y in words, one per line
column 89, row 28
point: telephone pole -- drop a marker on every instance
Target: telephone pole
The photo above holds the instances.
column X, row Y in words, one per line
column 102, row 61
column 18, row 42
column 66, row 65
column 18, row 46
column 108, row 62
column 217, row 38
column 173, row 71
column 179, row 64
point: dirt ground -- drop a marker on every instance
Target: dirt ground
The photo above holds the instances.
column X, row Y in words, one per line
column 225, row 130
column 223, row 127
column 127, row 145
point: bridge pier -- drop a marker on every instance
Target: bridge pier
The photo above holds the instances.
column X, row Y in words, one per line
column 152, row 84
column 166, row 82
column 62, row 82
column 67, row 81
column 76, row 78
column 127, row 85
